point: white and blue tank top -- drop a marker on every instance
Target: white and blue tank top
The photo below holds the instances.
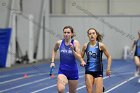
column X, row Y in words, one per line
column 94, row 58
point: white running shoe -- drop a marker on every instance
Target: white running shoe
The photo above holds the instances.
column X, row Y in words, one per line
column 136, row 74
column 139, row 80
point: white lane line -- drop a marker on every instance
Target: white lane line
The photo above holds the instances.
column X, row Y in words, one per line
column 50, row 86
column 44, row 88
column 38, row 75
column 85, row 86
column 18, row 86
column 29, row 76
column 78, row 87
column 119, row 84
column 104, row 78
column 20, row 73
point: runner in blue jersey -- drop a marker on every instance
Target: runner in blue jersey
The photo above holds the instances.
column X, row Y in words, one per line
column 136, row 45
column 94, row 66
column 69, row 51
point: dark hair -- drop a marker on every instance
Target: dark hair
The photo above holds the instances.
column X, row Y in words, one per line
column 72, row 30
column 99, row 36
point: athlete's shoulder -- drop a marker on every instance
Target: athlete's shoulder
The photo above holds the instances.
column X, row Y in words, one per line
column 101, row 46
column 135, row 41
column 85, row 45
column 75, row 41
column 58, row 42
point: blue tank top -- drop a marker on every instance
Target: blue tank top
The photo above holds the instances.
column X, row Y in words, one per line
column 137, row 51
column 94, row 58
column 67, row 58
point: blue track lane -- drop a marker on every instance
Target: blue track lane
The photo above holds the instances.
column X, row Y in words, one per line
column 38, row 80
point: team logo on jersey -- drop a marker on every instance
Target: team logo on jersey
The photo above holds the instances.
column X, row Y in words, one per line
column 90, row 53
column 66, row 51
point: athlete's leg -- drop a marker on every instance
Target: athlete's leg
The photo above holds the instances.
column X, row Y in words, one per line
column 137, row 62
column 99, row 84
column 72, row 86
column 61, row 83
column 137, row 68
column 89, row 80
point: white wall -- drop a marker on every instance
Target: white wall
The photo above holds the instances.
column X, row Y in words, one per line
column 118, row 31
column 23, row 23
column 37, row 9
column 58, row 6
column 4, row 13
column 125, row 7
column 97, row 7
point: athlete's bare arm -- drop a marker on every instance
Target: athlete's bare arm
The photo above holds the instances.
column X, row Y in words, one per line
column 83, row 50
column 77, row 52
column 109, row 59
column 54, row 52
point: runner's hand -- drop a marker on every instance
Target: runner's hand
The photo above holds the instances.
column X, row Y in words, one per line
column 52, row 64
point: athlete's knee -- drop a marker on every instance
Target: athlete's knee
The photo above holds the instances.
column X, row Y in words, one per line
column 138, row 64
column 62, row 82
column 72, row 89
column 60, row 88
column 89, row 91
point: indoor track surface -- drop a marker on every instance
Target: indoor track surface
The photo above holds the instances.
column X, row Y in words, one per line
column 36, row 79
